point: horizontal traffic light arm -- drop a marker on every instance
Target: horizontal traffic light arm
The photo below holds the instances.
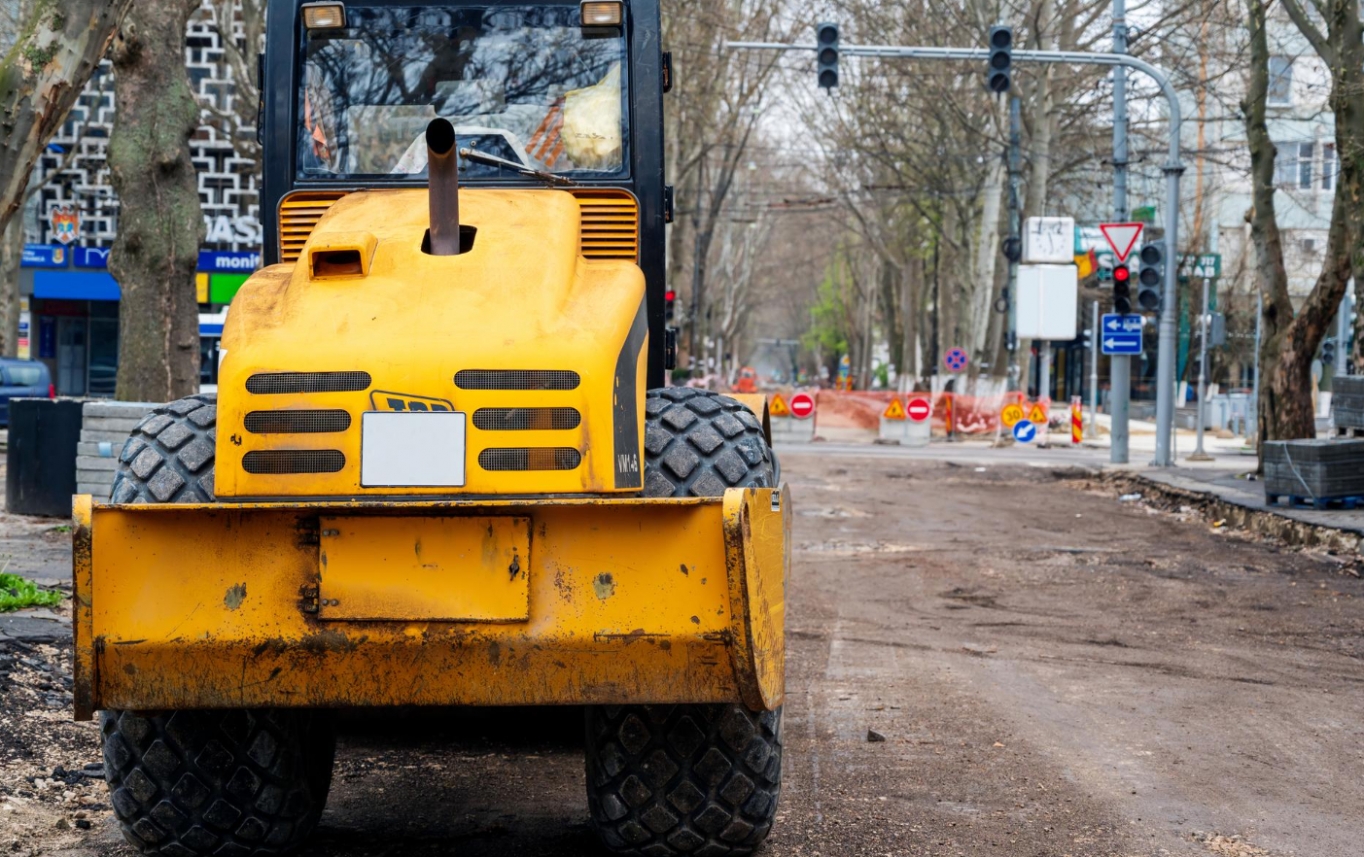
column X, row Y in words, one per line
column 1059, row 57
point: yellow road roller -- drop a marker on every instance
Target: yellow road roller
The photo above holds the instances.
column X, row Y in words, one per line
column 443, row 467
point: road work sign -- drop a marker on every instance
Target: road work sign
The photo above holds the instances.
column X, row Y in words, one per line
column 777, row 407
column 1120, row 334
column 1038, row 414
column 1025, row 431
column 1122, row 237
column 802, row 406
column 1011, row 414
column 919, row 410
column 894, row 411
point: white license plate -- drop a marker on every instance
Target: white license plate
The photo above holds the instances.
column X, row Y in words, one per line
column 412, row 449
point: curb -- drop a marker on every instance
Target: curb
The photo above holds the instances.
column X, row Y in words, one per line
column 1245, row 516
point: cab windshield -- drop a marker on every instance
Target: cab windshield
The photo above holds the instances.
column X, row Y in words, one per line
column 525, row 83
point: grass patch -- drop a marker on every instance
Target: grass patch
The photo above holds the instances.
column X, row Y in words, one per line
column 17, row 593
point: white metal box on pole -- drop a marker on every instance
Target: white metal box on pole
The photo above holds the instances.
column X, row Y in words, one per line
column 1048, row 296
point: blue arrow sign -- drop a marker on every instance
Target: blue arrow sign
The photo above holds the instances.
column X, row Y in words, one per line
column 1025, row 431
column 1120, row 334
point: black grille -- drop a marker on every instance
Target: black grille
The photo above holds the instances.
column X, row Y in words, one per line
column 526, row 419
column 294, row 461
column 308, row 382
column 296, row 422
column 516, row 379
column 533, row 458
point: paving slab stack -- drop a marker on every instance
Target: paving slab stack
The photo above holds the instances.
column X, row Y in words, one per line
column 1328, row 471
column 104, row 428
column 1347, row 402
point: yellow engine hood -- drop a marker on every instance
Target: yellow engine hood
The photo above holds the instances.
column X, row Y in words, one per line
column 364, row 298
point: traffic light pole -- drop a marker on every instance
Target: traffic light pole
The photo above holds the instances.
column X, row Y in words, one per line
column 1014, row 380
column 1119, row 365
column 1165, row 355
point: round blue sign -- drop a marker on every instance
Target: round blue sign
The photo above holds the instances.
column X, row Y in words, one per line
column 955, row 360
column 1025, row 431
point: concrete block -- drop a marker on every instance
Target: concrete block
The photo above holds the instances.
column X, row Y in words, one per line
column 116, row 410
column 104, row 449
column 97, row 490
column 123, row 424
column 792, row 430
column 115, row 437
column 104, row 478
column 87, row 463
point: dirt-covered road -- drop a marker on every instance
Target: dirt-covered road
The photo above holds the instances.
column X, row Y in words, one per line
column 997, row 661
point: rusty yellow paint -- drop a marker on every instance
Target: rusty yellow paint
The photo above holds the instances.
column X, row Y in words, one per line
column 82, row 617
column 524, row 297
column 757, row 403
column 424, row 568
column 630, row 601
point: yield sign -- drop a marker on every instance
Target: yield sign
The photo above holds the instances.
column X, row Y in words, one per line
column 1122, row 237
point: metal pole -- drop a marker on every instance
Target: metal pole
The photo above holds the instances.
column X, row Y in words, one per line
column 1255, row 383
column 1169, row 325
column 1015, row 232
column 1343, row 331
column 1198, row 454
column 1093, row 431
column 1119, row 365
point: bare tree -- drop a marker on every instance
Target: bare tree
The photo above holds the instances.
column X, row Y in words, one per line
column 55, row 52
column 160, row 224
column 1290, row 341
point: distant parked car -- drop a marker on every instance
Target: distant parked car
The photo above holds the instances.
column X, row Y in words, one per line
column 22, row 379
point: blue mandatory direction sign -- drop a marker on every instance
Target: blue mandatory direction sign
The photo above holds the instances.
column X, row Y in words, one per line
column 1120, row 334
column 1025, row 431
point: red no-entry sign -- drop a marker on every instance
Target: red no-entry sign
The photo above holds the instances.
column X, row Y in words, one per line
column 802, row 405
column 919, row 409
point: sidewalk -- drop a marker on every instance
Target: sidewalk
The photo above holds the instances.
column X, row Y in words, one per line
column 1234, row 488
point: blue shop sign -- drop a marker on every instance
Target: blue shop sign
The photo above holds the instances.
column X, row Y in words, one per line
column 43, row 256
column 228, row 262
column 92, row 257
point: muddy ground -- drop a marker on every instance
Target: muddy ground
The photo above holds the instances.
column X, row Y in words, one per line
column 1053, row 671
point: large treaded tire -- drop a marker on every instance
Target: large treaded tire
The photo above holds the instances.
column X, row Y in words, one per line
column 683, row 779
column 232, row 783
column 168, row 458
column 689, row 779
column 236, row 782
column 698, row 443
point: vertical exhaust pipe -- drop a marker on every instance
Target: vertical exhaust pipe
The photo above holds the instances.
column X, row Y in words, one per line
column 442, row 168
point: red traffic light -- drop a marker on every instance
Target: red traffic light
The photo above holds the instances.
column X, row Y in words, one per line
column 670, row 295
column 1122, row 274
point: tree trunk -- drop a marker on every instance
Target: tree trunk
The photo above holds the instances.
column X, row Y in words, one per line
column 10, row 255
column 160, row 225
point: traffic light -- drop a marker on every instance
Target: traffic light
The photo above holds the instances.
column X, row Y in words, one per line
column 826, row 65
column 1122, row 289
column 1150, row 275
column 1328, row 352
column 997, row 75
column 669, row 304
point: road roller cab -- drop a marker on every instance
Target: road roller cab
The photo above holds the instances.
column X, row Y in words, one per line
column 442, row 466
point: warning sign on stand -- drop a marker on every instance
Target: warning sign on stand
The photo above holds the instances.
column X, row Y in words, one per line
column 894, row 411
column 777, row 407
column 1038, row 414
